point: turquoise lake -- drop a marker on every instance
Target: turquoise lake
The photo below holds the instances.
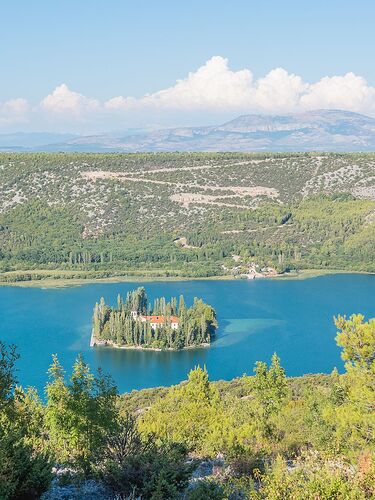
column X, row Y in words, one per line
column 256, row 318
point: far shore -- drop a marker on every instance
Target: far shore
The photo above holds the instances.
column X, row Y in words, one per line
column 57, row 282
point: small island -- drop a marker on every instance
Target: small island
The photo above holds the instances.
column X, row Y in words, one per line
column 134, row 324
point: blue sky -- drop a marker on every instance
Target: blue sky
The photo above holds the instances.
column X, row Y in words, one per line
column 106, row 49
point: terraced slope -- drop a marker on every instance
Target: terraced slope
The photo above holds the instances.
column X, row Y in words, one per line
column 119, row 213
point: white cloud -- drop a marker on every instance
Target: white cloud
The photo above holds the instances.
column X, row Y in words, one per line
column 14, row 111
column 214, row 86
column 119, row 103
column 18, row 106
column 349, row 92
column 209, row 94
column 64, row 100
column 278, row 91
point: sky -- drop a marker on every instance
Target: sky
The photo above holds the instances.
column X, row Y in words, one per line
column 94, row 66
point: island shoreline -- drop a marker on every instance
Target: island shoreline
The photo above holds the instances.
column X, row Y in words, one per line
column 107, row 344
column 94, row 342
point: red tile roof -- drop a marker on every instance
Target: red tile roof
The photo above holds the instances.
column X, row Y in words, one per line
column 160, row 319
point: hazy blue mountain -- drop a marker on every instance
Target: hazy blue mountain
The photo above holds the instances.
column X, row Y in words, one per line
column 319, row 130
column 24, row 141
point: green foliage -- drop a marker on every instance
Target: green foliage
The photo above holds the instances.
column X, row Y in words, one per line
column 190, row 414
column 25, row 468
column 79, row 415
column 269, row 416
column 313, row 478
column 134, row 465
column 270, row 385
column 355, row 415
column 8, row 357
column 357, row 338
column 209, row 490
column 24, row 472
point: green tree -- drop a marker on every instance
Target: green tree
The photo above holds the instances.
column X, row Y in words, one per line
column 79, row 414
column 25, row 470
column 191, row 414
column 354, row 417
column 270, row 385
column 8, row 358
column 132, row 464
column 357, row 339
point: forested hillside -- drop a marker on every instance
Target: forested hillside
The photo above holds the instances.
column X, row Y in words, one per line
column 260, row 437
column 184, row 214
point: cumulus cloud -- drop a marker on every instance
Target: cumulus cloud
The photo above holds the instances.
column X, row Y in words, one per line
column 345, row 92
column 213, row 90
column 214, row 86
column 64, row 100
column 278, row 91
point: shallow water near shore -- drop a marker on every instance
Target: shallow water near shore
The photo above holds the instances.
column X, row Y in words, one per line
column 256, row 318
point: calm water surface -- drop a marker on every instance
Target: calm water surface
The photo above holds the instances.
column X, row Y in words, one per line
column 256, row 318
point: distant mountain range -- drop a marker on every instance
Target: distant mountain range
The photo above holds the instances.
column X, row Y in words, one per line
column 320, row 130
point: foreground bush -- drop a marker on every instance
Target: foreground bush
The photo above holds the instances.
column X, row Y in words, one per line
column 132, row 465
column 25, row 469
column 24, row 473
column 314, row 478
